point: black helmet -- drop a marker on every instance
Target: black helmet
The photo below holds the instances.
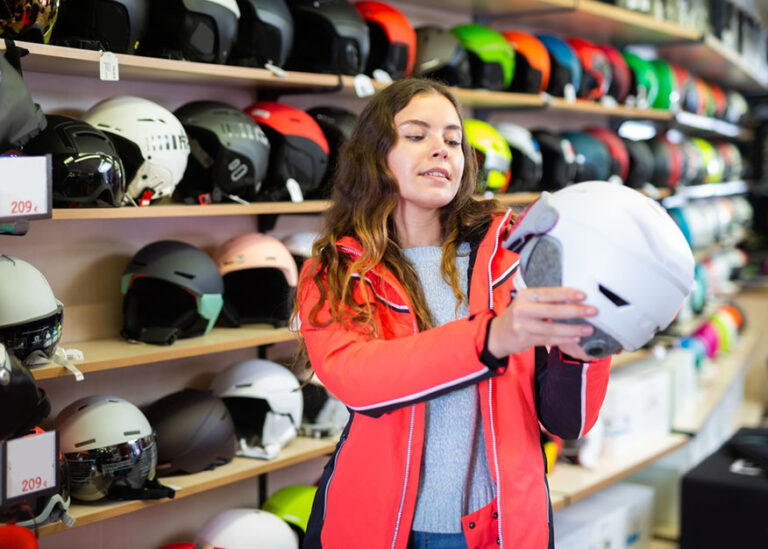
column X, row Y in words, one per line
column 558, row 160
column 195, row 30
column 171, row 290
column 194, row 432
column 112, row 25
column 337, row 125
column 86, row 167
column 28, row 20
column 330, row 37
column 22, row 404
column 20, row 118
column 592, row 157
column 264, row 35
column 640, row 163
column 526, row 157
column 440, row 55
column 228, row 153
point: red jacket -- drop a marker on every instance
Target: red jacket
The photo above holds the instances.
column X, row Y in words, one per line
column 367, row 492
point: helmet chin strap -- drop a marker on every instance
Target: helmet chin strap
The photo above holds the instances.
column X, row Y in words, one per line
column 278, row 431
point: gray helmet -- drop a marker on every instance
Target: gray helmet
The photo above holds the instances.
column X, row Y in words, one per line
column 330, row 37
column 171, row 289
column 440, row 55
column 265, row 33
column 229, row 153
column 20, row 118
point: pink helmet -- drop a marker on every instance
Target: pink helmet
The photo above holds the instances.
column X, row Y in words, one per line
column 260, row 276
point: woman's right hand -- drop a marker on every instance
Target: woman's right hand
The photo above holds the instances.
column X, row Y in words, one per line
column 527, row 321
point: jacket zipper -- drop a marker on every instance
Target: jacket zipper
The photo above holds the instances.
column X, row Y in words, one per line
column 405, row 480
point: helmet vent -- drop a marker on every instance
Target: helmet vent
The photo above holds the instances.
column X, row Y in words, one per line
column 185, row 275
column 615, row 299
column 85, row 442
column 130, row 433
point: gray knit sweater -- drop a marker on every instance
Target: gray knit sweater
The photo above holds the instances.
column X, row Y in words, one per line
column 455, row 479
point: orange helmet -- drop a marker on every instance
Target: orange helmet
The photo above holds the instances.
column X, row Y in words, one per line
column 532, row 64
column 393, row 39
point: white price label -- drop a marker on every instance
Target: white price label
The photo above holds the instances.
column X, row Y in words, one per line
column 364, row 86
column 30, row 465
column 294, row 190
column 380, row 75
column 109, row 69
column 25, row 187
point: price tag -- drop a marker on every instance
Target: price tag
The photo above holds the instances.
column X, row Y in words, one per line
column 569, row 93
column 380, row 75
column 364, row 86
column 108, row 67
column 294, row 190
column 25, row 187
column 30, row 465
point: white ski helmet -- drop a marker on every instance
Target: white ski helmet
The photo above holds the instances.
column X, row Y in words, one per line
column 265, row 402
column 107, row 442
column 300, row 245
column 150, row 140
column 30, row 315
column 616, row 245
column 247, row 529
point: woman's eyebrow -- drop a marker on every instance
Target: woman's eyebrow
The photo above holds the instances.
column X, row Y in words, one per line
column 425, row 125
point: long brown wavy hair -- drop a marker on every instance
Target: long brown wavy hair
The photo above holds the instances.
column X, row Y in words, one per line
column 364, row 195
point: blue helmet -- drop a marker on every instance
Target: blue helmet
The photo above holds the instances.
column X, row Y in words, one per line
column 566, row 67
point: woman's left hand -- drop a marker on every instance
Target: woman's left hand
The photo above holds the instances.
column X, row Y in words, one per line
column 575, row 350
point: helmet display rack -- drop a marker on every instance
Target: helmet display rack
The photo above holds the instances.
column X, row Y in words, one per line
column 118, row 362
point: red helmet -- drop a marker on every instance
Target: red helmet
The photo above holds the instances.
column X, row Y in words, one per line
column 617, row 149
column 721, row 100
column 17, row 537
column 621, row 83
column 597, row 76
column 532, row 64
column 393, row 39
column 298, row 149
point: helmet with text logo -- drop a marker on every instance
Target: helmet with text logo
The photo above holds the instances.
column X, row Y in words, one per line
column 494, row 158
column 265, row 33
column 393, row 39
column 641, row 267
column 228, row 157
column 193, row 30
column 491, row 57
column 110, row 25
column 150, row 141
column 298, row 158
column 28, row 20
column 532, row 64
column 246, row 529
column 30, row 315
column 440, row 55
column 86, row 168
column 266, row 404
column 330, row 36
column 109, row 445
column 260, row 278
column 170, row 290
column 565, row 66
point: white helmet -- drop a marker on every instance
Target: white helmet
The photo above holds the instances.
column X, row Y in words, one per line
column 247, row 529
column 300, row 245
column 150, row 140
column 615, row 244
column 265, row 402
column 30, row 315
column 108, row 443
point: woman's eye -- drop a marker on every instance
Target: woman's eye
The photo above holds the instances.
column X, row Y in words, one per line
column 414, row 137
column 453, row 142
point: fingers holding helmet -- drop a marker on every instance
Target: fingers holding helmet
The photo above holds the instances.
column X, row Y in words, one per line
column 527, row 321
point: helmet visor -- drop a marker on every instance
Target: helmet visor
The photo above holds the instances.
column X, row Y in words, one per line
column 95, row 472
column 90, row 178
column 39, row 335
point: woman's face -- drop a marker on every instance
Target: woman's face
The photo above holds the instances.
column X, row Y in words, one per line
column 427, row 159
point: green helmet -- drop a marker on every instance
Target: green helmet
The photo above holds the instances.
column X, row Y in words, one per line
column 643, row 74
column 491, row 56
column 669, row 89
column 494, row 158
column 713, row 163
column 293, row 504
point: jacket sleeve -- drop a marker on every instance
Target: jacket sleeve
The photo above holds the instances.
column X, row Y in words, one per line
column 569, row 393
column 373, row 376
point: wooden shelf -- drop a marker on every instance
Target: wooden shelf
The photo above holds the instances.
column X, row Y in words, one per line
column 297, row 451
column 582, row 106
column 712, row 389
column 498, row 99
column 599, row 22
column 574, row 482
column 687, row 121
column 113, row 353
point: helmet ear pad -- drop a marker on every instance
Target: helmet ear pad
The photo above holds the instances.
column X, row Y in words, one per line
column 527, row 79
column 393, row 58
column 486, row 75
column 272, row 304
column 560, row 76
column 541, row 265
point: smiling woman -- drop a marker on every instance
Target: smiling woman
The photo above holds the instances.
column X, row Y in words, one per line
column 406, row 316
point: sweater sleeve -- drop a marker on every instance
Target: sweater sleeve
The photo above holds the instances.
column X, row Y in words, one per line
column 569, row 393
column 374, row 375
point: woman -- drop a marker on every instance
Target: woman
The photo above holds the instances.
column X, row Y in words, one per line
column 406, row 315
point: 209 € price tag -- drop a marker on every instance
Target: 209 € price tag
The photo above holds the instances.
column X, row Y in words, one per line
column 30, row 465
column 25, row 187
